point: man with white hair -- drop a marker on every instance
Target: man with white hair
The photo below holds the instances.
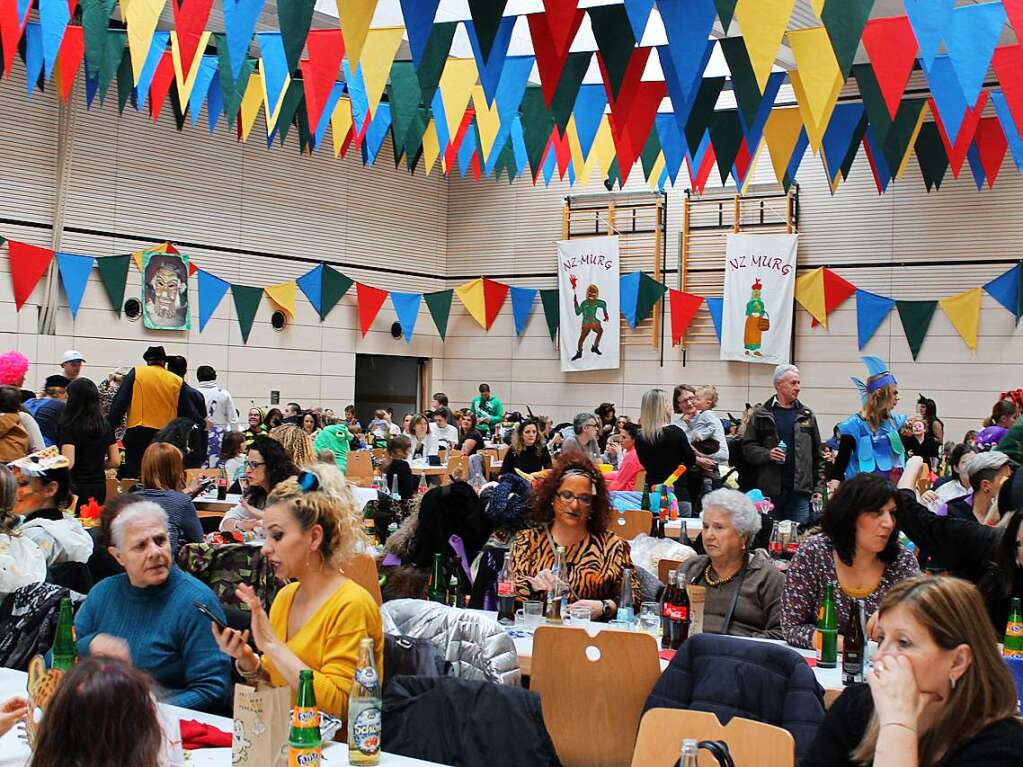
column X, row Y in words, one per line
column 782, row 442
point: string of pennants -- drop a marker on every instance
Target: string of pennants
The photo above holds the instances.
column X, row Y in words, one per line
column 483, row 116
column 820, row 292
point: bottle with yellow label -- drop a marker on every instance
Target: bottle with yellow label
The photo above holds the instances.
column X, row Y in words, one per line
column 304, row 743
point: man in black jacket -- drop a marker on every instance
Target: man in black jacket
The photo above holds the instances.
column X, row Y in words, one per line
column 792, row 474
column 198, row 441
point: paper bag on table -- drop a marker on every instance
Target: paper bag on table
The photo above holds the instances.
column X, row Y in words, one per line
column 697, row 596
column 262, row 716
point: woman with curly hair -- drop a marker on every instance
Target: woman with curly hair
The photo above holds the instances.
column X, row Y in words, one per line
column 572, row 508
column 318, row 620
column 297, row 444
column 267, row 465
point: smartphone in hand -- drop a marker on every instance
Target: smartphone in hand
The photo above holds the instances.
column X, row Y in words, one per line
column 209, row 614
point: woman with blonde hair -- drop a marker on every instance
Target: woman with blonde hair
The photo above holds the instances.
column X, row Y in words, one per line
column 869, row 439
column 297, row 444
column 663, row 446
column 313, row 526
column 939, row 693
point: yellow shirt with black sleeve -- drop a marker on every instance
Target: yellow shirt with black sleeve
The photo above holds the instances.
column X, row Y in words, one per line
column 328, row 643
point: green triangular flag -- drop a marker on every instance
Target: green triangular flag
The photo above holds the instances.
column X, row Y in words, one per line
column 614, row 175
column 246, row 302
column 744, row 79
column 302, row 124
column 854, row 146
column 294, row 97
column 897, row 143
column 650, row 292
column 113, row 273
column 703, row 111
column 125, row 82
column 568, row 87
column 873, row 102
column 431, row 66
column 414, row 138
column 613, row 33
column 537, row 124
column 95, row 18
column 294, row 18
column 930, row 153
column 916, row 319
column 112, row 53
column 551, row 301
column 726, row 136
column 506, row 162
column 231, row 90
column 404, row 96
column 651, row 149
column 333, row 286
column 439, row 304
column 845, row 21
column 726, row 10
column 486, row 17
column 177, row 108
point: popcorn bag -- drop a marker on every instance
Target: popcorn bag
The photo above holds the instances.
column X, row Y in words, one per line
column 261, row 718
column 697, row 597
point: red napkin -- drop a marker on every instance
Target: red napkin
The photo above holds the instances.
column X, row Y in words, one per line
column 666, row 654
column 810, row 661
column 199, row 735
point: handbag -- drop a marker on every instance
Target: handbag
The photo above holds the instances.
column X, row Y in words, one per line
column 718, row 749
column 765, row 324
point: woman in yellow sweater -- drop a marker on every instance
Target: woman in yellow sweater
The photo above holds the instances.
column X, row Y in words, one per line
column 312, row 525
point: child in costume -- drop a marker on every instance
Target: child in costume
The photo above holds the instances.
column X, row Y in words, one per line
column 870, row 440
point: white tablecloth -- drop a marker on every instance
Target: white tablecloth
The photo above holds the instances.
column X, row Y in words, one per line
column 363, row 495
column 14, row 751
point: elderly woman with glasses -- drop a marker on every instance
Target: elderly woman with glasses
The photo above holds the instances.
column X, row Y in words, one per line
column 572, row 508
column 743, row 586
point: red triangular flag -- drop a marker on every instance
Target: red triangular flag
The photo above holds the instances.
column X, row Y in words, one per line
column 563, row 20
column 28, row 264
column 836, row 289
column 11, row 28
column 1008, row 62
column 632, row 115
column 877, row 182
column 370, row 300
column 451, row 153
column 192, row 268
column 699, row 179
column 494, row 294
column 162, row 79
column 477, row 172
column 743, row 162
column 549, row 61
column 991, row 144
column 957, row 154
column 320, row 71
column 1014, row 9
column 684, row 307
column 72, row 51
column 892, row 48
column 562, row 150
column 190, row 17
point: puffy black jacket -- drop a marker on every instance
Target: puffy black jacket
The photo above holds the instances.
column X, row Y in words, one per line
column 728, row 676
column 465, row 723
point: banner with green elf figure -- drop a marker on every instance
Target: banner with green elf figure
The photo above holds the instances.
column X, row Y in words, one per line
column 760, row 280
column 590, row 290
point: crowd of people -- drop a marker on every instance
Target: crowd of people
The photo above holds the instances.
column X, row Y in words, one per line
column 921, row 533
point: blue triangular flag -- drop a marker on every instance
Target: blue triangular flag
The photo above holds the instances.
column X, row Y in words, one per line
column 871, row 309
column 273, row 65
column 203, row 78
column 376, row 133
column 671, row 143
column 328, row 110
column 311, row 283
column 755, row 132
column 240, row 18
column 53, row 18
column 715, row 305
column 418, row 16
column 510, row 90
column 1009, row 128
column 629, row 297
column 590, row 103
column 639, row 15
column 466, row 151
column 976, row 166
column 948, row 94
column 696, row 160
column 880, row 161
column 74, row 276
column 687, row 24
column 406, row 306
column 550, row 164
column 214, row 104
column 156, row 51
column 357, row 91
column 971, row 34
column 490, row 70
column 440, row 120
column 928, row 19
column 797, row 155
column 33, row 36
column 522, row 300
column 1005, row 289
column 682, row 96
column 519, row 144
column 211, row 291
column 91, row 87
column 839, row 135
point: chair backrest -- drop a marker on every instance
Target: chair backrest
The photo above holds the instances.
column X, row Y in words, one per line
column 127, row 484
column 752, row 744
column 664, row 566
column 640, row 482
column 629, row 523
column 592, row 708
column 113, row 488
column 362, row 569
column 360, row 468
column 458, row 468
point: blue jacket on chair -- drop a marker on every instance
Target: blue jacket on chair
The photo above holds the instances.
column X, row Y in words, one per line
column 728, row 676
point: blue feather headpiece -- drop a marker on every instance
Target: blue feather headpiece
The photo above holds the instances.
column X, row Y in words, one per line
column 875, row 367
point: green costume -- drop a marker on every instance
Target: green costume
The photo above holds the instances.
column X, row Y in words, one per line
column 588, row 309
column 488, row 412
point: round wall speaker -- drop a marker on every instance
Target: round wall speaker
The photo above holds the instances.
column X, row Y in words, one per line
column 278, row 321
column 132, row 309
column 396, row 330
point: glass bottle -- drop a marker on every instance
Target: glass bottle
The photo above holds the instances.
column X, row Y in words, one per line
column 827, row 630
column 304, row 742
column 1013, row 646
column 65, row 649
column 365, row 721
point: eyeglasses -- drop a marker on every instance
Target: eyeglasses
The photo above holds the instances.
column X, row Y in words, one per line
column 254, row 464
column 584, row 499
column 590, row 426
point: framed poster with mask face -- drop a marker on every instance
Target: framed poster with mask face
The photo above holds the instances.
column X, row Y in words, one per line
column 165, row 291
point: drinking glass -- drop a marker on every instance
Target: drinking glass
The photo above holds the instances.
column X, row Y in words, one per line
column 531, row 614
column 650, row 617
column 580, row 615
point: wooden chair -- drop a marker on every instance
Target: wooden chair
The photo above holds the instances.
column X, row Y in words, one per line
column 592, row 707
column 489, row 456
column 630, row 523
column 457, row 468
column 664, row 566
column 362, row 569
column 127, row 484
column 640, row 482
column 752, row 744
column 113, row 488
column 360, row 468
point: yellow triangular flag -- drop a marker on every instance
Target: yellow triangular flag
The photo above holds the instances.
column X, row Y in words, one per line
column 657, row 170
column 810, row 294
column 455, row 88
column 763, row 24
column 283, row 296
column 251, row 102
column 817, row 80
column 602, row 153
column 964, row 312
column 341, row 122
column 782, row 133
column 582, row 173
column 818, row 7
column 137, row 255
column 185, row 84
column 275, row 112
column 488, row 121
column 378, row 55
column 355, row 17
column 141, row 17
column 431, row 146
column 471, row 294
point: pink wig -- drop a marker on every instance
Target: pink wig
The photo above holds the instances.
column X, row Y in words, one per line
column 13, row 367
